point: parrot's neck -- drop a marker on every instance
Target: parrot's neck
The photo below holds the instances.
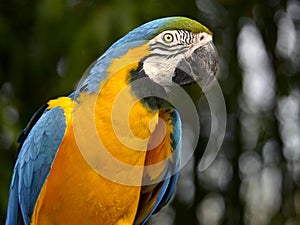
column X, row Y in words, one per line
column 131, row 121
column 151, row 94
column 124, row 116
column 119, row 116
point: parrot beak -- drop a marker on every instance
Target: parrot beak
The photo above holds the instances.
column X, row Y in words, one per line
column 201, row 65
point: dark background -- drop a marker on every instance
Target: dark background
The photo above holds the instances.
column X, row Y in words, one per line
column 46, row 45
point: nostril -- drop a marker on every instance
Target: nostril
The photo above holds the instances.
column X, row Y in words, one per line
column 202, row 37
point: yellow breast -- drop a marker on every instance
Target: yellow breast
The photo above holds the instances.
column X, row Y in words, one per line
column 76, row 191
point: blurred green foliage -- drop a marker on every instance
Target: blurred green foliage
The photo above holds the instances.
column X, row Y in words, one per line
column 46, row 45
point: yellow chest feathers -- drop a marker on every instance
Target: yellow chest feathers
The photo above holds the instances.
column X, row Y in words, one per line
column 97, row 174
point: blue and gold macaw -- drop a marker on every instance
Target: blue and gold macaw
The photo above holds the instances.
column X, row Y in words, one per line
column 109, row 153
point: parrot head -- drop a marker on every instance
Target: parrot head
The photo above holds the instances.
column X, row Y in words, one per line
column 179, row 51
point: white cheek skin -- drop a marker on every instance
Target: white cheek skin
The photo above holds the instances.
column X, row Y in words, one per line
column 160, row 70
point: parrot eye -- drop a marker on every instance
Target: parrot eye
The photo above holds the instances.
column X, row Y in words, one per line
column 168, row 38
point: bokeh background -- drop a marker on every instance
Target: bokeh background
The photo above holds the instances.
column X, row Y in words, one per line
column 46, row 45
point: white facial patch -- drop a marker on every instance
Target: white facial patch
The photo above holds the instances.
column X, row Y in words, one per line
column 161, row 69
column 168, row 49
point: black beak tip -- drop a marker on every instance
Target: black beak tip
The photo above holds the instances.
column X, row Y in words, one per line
column 207, row 56
column 203, row 64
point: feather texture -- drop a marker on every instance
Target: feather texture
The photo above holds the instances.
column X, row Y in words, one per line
column 33, row 165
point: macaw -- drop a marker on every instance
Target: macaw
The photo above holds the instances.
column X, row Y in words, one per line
column 109, row 153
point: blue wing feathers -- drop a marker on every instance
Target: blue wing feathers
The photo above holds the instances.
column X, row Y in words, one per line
column 36, row 116
column 162, row 192
column 176, row 137
column 12, row 210
column 169, row 192
column 39, row 144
